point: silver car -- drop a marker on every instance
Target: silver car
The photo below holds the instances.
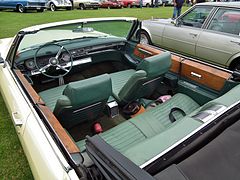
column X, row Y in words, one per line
column 207, row 31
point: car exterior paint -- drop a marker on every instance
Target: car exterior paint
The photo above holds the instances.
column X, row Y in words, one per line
column 45, row 158
column 27, row 4
column 111, row 4
column 131, row 3
column 60, row 4
column 85, row 4
column 210, row 45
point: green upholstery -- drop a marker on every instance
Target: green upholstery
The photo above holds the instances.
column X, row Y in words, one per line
column 147, row 125
column 132, row 84
column 83, row 100
column 51, row 96
column 155, row 65
column 119, row 79
column 159, row 132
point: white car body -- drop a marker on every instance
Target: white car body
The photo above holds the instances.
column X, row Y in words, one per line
column 45, row 158
column 59, row 4
column 84, row 4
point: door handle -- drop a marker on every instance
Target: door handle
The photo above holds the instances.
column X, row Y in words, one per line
column 199, row 76
column 193, row 34
column 235, row 42
column 17, row 119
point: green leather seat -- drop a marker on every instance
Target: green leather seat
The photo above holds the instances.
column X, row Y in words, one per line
column 51, row 96
column 152, row 132
column 83, row 100
column 133, row 84
column 146, row 126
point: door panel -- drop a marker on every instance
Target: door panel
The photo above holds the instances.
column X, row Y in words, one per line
column 204, row 75
column 221, row 40
column 16, row 103
column 180, row 39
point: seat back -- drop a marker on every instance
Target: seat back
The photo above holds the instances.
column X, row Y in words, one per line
column 83, row 100
column 147, row 77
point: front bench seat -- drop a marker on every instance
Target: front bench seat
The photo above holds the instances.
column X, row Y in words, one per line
column 131, row 84
column 83, row 100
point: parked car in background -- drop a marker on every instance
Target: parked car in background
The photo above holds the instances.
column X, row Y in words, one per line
column 86, row 4
column 148, row 3
column 207, row 31
column 23, row 5
column 89, row 102
column 131, row 3
column 111, row 4
column 167, row 2
column 59, row 4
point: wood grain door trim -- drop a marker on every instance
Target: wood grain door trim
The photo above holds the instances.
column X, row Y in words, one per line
column 143, row 51
column 205, row 75
column 33, row 94
column 61, row 133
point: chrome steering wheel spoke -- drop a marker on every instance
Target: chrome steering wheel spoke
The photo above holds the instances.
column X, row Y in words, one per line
column 53, row 61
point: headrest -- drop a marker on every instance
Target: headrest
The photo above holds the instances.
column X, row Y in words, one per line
column 156, row 65
column 88, row 91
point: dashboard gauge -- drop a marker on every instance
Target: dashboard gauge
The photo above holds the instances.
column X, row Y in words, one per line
column 30, row 64
column 66, row 57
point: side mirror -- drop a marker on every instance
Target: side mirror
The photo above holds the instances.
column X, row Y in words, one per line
column 176, row 22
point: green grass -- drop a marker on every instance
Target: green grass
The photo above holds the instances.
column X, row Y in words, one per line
column 11, row 22
column 13, row 164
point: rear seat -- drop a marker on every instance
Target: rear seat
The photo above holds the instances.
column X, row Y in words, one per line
column 148, row 134
column 145, row 126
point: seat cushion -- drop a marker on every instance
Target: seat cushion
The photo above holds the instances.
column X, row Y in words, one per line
column 119, row 79
column 146, row 125
column 156, row 65
column 157, row 119
column 51, row 96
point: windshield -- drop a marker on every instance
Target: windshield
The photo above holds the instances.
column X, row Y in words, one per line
column 73, row 32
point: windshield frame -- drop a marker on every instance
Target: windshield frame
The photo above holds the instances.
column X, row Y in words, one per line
column 11, row 56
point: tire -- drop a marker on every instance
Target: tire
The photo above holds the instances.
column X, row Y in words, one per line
column 52, row 7
column 145, row 38
column 235, row 65
column 148, row 5
column 81, row 6
column 129, row 6
column 20, row 8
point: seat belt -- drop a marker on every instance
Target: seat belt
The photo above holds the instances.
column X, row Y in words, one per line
column 171, row 117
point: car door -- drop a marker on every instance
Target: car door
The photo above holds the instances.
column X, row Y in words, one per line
column 15, row 101
column 182, row 37
column 220, row 40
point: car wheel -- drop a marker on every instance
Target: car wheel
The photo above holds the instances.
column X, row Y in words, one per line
column 129, row 6
column 145, row 38
column 52, row 7
column 147, row 5
column 20, row 8
column 81, row 6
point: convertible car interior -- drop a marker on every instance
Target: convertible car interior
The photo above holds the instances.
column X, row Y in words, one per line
column 140, row 100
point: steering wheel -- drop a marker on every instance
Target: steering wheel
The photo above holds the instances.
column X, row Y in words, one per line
column 53, row 61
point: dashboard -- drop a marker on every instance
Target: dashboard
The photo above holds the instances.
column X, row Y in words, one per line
column 80, row 55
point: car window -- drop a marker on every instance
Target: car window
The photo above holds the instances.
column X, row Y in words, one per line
column 196, row 17
column 227, row 21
